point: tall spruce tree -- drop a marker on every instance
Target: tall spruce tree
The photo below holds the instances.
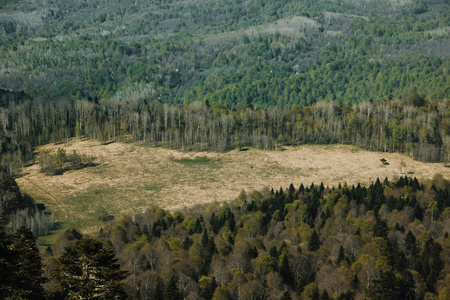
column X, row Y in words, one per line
column 314, row 242
column 20, row 266
column 26, row 266
column 89, row 270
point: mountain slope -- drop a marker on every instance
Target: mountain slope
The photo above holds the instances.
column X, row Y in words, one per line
column 235, row 53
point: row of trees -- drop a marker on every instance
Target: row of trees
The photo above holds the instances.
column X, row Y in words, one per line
column 412, row 125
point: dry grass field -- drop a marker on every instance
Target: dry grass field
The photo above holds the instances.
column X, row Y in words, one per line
column 130, row 178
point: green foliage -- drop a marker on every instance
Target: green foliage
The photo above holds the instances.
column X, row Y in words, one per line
column 314, row 242
column 254, row 54
column 20, row 266
column 88, row 269
column 390, row 287
column 180, row 256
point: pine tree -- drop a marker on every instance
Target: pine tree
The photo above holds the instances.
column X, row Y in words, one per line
column 386, row 287
column 26, row 266
column 285, row 271
column 314, row 242
column 89, row 270
column 380, row 229
column 341, row 255
column 410, row 243
column 171, row 290
column 407, row 286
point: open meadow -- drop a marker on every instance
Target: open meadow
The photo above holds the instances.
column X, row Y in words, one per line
column 131, row 178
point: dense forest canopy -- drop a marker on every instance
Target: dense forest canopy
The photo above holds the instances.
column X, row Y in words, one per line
column 234, row 52
column 386, row 241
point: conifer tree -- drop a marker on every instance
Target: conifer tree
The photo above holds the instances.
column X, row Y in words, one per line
column 89, row 270
column 314, row 242
column 285, row 271
column 341, row 255
column 410, row 243
column 171, row 290
column 26, row 266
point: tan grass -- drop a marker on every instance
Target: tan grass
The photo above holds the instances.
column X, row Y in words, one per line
column 131, row 178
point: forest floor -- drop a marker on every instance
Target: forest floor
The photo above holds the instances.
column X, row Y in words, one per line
column 131, row 178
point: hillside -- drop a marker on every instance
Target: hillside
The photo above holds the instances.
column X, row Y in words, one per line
column 236, row 53
column 386, row 240
column 206, row 150
column 131, row 178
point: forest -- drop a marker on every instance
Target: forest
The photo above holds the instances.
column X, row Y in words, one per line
column 412, row 125
column 216, row 77
column 265, row 53
column 386, row 241
column 223, row 75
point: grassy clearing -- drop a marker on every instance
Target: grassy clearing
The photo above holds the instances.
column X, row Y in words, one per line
column 199, row 160
column 133, row 178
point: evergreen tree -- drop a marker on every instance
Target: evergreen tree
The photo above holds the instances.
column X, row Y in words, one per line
column 187, row 243
column 171, row 290
column 26, row 265
column 407, row 286
column 341, row 255
column 380, row 229
column 386, row 287
column 285, row 271
column 410, row 243
column 314, row 242
column 88, row 270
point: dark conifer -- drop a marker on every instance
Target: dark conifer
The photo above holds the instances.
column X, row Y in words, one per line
column 89, row 270
column 285, row 271
column 314, row 242
column 171, row 290
column 27, row 277
column 341, row 255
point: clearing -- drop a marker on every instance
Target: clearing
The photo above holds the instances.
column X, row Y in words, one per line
column 131, row 178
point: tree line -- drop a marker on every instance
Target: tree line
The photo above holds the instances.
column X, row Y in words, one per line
column 412, row 125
